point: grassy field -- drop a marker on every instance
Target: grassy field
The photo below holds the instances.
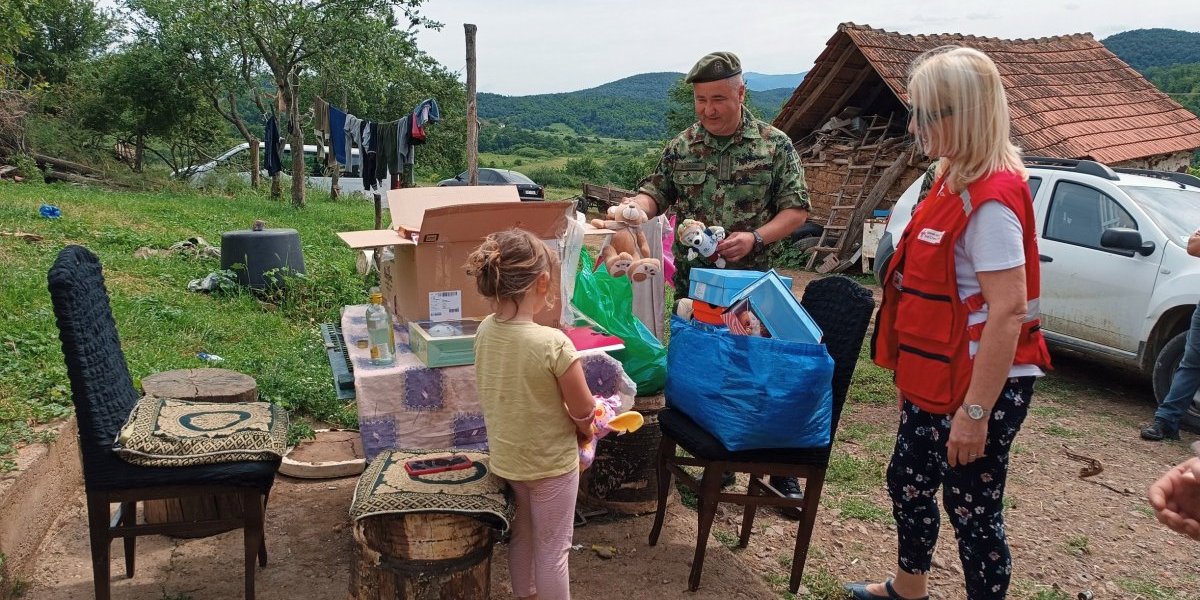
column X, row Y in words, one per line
column 274, row 338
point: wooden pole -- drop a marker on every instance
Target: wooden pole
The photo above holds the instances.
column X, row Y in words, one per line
column 472, row 116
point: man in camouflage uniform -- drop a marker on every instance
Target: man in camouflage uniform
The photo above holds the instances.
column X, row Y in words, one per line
column 729, row 169
column 732, row 170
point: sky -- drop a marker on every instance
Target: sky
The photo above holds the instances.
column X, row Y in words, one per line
column 542, row 46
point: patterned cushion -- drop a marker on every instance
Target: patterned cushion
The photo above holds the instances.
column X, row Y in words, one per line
column 163, row 432
column 387, row 488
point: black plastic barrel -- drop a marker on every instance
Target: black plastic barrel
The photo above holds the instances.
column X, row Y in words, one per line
column 260, row 258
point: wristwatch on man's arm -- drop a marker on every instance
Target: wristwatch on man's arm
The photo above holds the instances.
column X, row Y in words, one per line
column 759, row 244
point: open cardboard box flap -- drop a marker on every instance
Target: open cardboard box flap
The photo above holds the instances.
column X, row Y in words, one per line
column 408, row 206
column 473, row 222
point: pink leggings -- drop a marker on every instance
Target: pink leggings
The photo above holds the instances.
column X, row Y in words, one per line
column 541, row 536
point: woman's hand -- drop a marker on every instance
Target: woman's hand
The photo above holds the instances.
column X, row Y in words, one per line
column 1176, row 498
column 967, row 439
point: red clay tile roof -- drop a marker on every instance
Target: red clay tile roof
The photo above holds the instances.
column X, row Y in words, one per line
column 1069, row 96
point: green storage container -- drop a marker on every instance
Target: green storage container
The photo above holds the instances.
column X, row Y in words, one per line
column 443, row 343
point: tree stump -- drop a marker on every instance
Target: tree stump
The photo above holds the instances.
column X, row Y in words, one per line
column 198, row 385
column 201, row 385
column 421, row 556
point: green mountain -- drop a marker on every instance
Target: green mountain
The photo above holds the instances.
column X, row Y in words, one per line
column 1146, row 48
column 758, row 82
column 631, row 108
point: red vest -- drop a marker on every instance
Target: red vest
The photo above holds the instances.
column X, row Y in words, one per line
column 921, row 329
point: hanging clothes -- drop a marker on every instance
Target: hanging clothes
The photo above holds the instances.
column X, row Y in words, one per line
column 369, row 153
column 424, row 112
column 337, row 134
column 274, row 147
column 386, row 148
column 404, row 147
column 321, row 128
column 353, row 133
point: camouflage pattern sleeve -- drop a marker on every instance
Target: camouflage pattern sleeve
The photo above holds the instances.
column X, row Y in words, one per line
column 927, row 181
column 658, row 184
column 790, row 191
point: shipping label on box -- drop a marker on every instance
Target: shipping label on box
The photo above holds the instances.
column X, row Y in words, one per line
column 445, row 305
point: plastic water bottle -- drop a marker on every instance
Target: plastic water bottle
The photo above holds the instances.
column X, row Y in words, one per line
column 379, row 331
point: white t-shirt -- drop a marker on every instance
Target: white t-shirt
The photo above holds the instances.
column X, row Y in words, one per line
column 992, row 241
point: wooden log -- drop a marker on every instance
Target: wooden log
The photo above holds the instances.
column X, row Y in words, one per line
column 198, row 385
column 421, row 556
column 66, row 165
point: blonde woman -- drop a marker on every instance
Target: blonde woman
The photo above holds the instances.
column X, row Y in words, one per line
column 958, row 325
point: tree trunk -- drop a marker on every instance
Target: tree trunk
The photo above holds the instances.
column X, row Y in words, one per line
column 255, row 163
column 334, row 190
column 472, row 117
column 297, row 136
column 139, row 149
column 276, row 187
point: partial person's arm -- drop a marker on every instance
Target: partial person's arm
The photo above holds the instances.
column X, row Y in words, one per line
column 1004, row 292
column 1175, row 498
column 737, row 245
column 789, row 202
column 580, row 404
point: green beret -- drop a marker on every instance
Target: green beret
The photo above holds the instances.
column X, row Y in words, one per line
column 715, row 67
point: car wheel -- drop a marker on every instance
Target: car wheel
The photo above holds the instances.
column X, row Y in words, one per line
column 808, row 243
column 1165, row 364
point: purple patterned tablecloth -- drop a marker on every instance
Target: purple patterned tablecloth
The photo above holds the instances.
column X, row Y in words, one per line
column 406, row 405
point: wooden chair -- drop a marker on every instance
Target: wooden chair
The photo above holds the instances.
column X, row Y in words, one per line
column 103, row 394
column 843, row 310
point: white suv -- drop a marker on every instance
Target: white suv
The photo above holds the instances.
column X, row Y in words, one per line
column 1117, row 281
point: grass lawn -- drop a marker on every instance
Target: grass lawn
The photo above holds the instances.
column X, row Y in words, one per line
column 163, row 325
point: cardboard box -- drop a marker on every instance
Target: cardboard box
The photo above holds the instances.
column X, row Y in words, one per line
column 719, row 287
column 443, row 344
column 778, row 310
column 433, row 232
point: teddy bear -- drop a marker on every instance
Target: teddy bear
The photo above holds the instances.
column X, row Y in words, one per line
column 605, row 420
column 701, row 240
column 628, row 252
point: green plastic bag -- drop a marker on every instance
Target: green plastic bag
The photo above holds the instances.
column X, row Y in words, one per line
column 608, row 301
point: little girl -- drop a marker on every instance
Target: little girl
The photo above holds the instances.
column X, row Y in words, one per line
column 536, row 404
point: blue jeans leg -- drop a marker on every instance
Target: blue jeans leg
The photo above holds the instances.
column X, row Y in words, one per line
column 1186, row 380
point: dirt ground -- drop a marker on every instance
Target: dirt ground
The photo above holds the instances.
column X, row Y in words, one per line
column 1068, row 535
column 309, row 541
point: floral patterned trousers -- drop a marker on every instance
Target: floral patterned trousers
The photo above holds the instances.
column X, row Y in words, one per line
column 973, row 494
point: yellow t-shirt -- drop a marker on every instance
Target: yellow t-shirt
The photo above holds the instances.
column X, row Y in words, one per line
column 517, row 365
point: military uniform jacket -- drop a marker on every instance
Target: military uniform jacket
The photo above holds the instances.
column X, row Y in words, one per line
column 739, row 184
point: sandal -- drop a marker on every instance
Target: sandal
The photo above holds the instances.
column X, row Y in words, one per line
column 858, row 591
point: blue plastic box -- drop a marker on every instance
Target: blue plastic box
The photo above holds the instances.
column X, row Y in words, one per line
column 719, row 287
column 772, row 301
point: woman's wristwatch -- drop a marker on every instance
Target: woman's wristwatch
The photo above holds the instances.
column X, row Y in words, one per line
column 759, row 244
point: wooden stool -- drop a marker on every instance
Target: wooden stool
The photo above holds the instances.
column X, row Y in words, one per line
column 198, row 385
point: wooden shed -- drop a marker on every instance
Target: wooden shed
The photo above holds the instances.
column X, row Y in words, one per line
column 1069, row 97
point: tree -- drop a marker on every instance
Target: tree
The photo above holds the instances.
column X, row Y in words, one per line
column 61, row 35
column 292, row 36
column 14, row 28
column 134, row 94
column 221, row 64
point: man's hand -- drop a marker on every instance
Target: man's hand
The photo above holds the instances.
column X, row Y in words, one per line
column 967, row 439
column 735, row 247
column 1176, row 498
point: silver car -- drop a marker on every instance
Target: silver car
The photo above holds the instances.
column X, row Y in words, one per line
column 236, row 162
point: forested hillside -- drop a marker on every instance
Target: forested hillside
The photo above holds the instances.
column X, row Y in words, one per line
column 1146, row 48
column 631, row 108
